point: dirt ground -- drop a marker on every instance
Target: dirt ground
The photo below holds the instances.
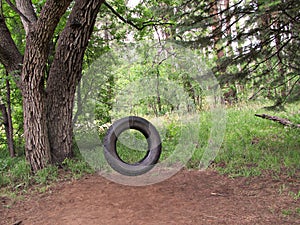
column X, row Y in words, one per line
column 190, row 197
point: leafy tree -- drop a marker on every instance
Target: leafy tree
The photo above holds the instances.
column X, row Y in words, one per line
column 43, row 46
column 48, row 72
column 49, row 66
column 253, row 41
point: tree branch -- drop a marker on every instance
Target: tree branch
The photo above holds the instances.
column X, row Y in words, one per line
column 17, row 11
column 144, row 24
column 282, row 121
column 25, row 7
column 10, row 56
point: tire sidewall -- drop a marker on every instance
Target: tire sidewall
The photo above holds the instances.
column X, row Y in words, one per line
column 153, row 140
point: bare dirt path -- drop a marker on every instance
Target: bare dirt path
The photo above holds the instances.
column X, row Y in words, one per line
column 190, row 197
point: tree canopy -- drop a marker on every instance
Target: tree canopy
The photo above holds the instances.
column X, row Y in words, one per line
column 46, row 46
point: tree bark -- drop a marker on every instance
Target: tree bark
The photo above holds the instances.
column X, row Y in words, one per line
column 10, row 56
column 9, row 139
column 217, row 29
column 10, row 133
column 65, row 74
column 282, row 121
column 25, row 7
column 37, row 146
column 48, row 104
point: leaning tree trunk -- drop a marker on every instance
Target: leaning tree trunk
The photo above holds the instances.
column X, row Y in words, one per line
column 10, row 56
column 65, row 74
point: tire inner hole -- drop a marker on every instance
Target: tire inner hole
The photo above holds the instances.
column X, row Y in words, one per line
column 132, row 146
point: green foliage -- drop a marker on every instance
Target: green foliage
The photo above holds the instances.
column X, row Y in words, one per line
column 122, row 81
column 14, row 172
column 15, row 26
column 295, row 196
column 287, row 212
column 77, row 167
column 252, row 42
column 132, row 146
column 46, row 175
column 16, row 112
column 265, row 64
column 253, row 146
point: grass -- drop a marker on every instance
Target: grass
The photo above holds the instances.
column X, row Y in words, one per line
column 251, row 146
column 290, row 211
column 16, row 176
column 132, row 145
column 298, row 211
column 14, row 172
column 287, row 212
column 295, row 196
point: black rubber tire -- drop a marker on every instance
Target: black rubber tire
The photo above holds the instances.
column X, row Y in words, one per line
column 154, row 146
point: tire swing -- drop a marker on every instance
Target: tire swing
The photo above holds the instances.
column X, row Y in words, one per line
column 153, row 151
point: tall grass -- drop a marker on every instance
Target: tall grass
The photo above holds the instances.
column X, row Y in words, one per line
column 251, row 146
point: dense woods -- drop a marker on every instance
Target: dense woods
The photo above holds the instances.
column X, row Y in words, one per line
column 47, row 46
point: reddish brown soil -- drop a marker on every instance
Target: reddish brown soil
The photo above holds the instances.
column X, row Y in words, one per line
column 190, row 197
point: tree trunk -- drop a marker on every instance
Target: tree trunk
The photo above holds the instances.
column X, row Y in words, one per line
column 65, row 74
column 10, row 133
column 37, row 147
column 48, row 104
column 10, row 56
column 217, row 29
column 9, row 140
